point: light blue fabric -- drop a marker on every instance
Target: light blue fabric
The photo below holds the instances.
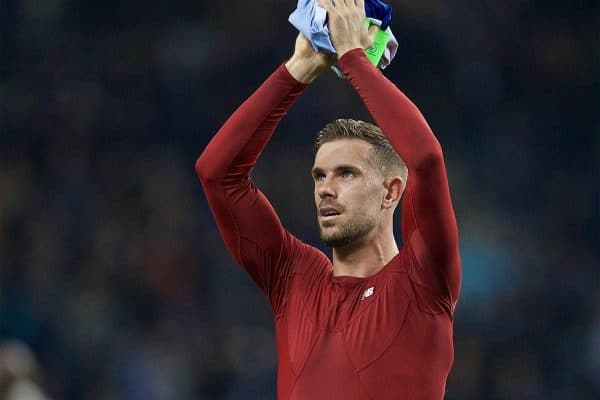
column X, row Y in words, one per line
column 309, row 18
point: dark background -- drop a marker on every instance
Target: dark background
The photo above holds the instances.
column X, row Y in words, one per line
column 113, row 275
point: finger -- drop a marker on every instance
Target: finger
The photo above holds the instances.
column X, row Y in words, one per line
column 372, row 33
column 339, row 4
column 326, row 4
column 360, row 5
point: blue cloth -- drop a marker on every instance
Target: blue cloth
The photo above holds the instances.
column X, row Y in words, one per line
column 379, row 10
column 310, row 19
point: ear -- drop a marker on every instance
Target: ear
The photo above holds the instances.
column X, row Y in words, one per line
column 394, row 187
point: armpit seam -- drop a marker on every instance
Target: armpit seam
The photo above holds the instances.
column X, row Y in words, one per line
column 418, row 263
column 279, row 309
column 411, row 252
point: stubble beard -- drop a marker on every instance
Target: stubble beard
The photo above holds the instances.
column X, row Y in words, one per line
column 340, row 235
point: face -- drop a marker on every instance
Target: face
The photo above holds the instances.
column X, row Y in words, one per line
column 348, row 191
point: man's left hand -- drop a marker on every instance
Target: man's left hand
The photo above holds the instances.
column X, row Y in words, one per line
column 347, row 28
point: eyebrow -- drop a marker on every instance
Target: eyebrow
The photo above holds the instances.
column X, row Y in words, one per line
column 342, row 167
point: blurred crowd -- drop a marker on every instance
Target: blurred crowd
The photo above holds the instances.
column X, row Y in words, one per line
column 114, row 282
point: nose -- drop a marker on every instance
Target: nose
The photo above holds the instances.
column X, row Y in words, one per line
column 325, row 189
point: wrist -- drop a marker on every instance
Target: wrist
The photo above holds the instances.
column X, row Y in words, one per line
column 304, row 70
column 343, row 50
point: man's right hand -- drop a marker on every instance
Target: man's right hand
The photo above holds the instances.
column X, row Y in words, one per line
column 306, row 63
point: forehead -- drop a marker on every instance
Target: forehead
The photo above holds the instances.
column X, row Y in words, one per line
column 343, row 151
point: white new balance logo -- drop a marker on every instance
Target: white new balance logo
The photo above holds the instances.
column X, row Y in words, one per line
column 367, row 293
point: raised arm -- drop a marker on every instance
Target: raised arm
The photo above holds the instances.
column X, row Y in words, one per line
column 428, row 221
column 248, row 223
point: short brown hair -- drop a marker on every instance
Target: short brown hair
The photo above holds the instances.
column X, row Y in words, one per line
column 386, row 157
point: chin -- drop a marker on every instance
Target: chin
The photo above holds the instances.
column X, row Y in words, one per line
column 334, row 234
column 334, row 242
column 336, row 239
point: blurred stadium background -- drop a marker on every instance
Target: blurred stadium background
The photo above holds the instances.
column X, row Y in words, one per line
column 114, row 281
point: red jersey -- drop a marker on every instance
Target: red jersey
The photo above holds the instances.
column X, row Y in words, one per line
column 388, row 336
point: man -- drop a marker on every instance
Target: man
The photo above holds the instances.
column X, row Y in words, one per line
column 376, row 321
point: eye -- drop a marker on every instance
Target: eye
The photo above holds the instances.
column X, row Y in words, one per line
column 318, row 176
column 348, row 174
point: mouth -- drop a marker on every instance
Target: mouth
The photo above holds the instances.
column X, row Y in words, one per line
column 328, row 213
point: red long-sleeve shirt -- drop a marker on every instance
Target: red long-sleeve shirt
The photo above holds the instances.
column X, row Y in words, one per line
column 388, row 336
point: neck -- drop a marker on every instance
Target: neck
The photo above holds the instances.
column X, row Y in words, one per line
column 366, row 256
